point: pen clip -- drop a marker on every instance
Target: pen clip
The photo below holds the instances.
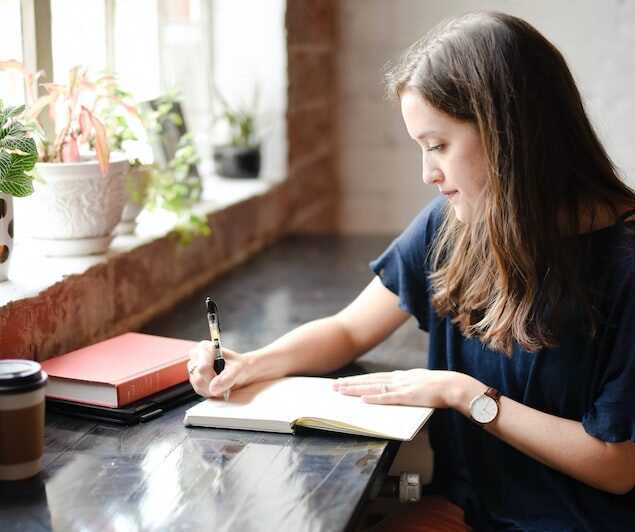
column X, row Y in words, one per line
column 212, row 313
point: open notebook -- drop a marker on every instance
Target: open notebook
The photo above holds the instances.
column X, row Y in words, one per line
column 280, row 405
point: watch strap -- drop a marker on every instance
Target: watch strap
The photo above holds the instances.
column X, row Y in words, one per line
column 493, row 393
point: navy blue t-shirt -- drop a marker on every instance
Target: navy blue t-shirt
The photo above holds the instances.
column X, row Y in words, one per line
column 588, row 380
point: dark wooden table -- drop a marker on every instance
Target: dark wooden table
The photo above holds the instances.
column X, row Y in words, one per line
column 162, row 476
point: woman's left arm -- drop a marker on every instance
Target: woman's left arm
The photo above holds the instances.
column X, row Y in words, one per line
column 560, row 443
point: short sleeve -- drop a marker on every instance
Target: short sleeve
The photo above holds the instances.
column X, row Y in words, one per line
column 404, row 267
column 612, row 416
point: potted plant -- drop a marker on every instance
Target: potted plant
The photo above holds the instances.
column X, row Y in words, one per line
column 174, row 190
column 124, row 124
column 174, row 187
column 148, row 185
column 80, row 202
column 240, row 156
column 18, row 154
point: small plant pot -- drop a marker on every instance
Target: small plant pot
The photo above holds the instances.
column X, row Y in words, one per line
column 6, row 234
column 232, row 161
column 137, row 181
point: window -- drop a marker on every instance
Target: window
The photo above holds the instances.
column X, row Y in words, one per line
column 11, row 85
column 157, row 45
column 186, row 58
column 78, row 34
column 136, row 47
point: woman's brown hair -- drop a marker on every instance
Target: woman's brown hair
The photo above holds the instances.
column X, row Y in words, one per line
column 508, row 274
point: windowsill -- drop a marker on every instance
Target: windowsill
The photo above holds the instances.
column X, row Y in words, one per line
column 31, row 272
column 55, row 305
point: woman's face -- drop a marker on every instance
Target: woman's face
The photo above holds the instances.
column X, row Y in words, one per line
column 453, row 155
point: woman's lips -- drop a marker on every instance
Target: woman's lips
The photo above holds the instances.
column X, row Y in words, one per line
column 449, row 193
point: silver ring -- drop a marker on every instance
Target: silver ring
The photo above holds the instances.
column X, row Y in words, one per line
column 192, row 369
column 384, row 388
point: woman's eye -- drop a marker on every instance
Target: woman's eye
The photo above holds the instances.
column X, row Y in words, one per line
column 435, row 148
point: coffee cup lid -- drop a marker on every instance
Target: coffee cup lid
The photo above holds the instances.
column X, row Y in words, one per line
column 18, row 373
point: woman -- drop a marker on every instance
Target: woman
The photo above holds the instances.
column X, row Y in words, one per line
column 522, row 273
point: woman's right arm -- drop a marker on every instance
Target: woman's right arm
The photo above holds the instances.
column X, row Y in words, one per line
column 316, row 347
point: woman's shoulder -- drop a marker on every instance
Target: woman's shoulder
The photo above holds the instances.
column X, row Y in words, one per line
column 415, row 242
column 429, row 219
column 611, row 256
column 435, row 210
column 617, row 240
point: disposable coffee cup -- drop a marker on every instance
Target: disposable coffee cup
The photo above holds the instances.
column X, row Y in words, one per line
column 22, row 384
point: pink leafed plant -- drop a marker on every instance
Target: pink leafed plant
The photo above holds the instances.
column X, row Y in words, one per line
column 71, row 111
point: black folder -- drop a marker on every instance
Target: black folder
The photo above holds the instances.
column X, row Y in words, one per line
column 138, row 412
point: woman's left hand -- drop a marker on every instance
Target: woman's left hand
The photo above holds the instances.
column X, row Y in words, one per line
column 415, row 387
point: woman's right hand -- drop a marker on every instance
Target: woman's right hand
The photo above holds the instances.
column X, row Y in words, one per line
column 204, row 379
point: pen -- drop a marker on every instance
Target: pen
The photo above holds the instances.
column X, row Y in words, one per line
column 214, row 331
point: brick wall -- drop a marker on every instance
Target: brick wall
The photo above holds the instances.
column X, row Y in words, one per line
column 311, row 45
column 131, row 287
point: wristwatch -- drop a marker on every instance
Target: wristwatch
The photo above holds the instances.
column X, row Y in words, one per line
column 484, row 408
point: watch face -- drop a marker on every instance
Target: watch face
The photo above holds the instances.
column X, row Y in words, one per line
column 483, row 409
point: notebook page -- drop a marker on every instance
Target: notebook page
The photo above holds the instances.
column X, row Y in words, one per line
column 350, row 414
column 267, row 405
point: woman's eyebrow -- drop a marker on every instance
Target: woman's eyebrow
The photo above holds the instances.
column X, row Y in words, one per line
column 423, row 135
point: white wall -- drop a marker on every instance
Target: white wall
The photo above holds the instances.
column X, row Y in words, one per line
column 379, row 165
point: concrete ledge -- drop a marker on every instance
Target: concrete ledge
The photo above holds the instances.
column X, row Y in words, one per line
column 51, row 305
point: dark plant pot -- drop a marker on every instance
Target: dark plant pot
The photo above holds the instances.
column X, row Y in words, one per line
column 232, row 161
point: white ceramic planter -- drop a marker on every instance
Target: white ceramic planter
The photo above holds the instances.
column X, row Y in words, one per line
column 75, row 211
column 6, row 234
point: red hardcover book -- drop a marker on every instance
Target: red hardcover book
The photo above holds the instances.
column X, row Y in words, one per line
column 118, row 371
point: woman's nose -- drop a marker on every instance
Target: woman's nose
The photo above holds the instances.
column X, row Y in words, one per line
column 431, row 174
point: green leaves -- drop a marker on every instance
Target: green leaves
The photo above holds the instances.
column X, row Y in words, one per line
column 18, row 153
column 240, row 119
column 10, row 112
